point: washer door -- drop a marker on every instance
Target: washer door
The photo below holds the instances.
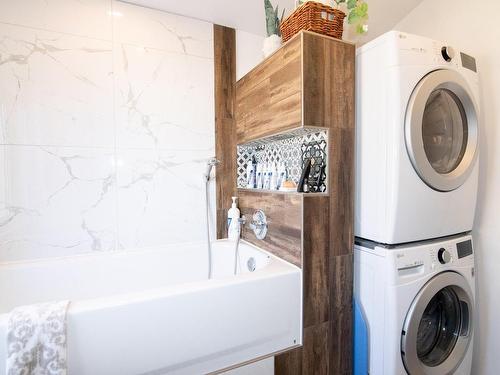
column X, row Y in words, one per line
column 441, row 130
column 438, row 327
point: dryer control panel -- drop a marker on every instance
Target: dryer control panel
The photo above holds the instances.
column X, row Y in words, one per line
column 414, row 49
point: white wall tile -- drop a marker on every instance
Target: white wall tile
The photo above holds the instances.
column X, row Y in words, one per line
column 56, row 201
column 57, row 89
column 103, row 142
column 163, row 100
column 90, row 18
column 154, row 29
column 160, row 197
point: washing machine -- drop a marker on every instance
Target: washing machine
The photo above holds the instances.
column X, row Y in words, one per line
column 417, row 304
column 417, row 125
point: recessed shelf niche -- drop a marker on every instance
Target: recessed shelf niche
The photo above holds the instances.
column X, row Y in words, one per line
column 291, row 148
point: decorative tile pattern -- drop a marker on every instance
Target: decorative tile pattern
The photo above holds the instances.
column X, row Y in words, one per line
column 291, row 148
column 317, row 152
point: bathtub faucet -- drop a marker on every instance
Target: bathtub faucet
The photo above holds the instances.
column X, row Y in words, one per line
column 259, row 224
column 211, row 163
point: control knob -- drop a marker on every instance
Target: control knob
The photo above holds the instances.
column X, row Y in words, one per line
column 448, row 53
column 444, row 256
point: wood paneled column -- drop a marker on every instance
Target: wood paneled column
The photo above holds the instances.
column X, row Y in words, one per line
column 225, row 129
column 306, row 84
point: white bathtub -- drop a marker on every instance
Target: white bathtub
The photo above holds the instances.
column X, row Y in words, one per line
column 155, row 312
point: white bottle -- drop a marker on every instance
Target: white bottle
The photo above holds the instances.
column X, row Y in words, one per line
column 259, row 176
column 281, row 175
column 267, row 176
column 274, row 177
column 250, row 175
column 233, row 224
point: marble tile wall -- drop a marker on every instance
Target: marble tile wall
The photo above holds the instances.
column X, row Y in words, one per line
column 106, row 121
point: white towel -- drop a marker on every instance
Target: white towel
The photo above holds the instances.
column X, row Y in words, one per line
column 36, row 339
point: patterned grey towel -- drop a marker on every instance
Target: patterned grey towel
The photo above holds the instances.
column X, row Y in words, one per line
column 36, row 339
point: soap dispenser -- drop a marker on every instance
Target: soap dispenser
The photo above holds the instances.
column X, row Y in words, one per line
column 233, row 224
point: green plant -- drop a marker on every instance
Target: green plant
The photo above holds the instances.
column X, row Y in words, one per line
column 357, row 13
column 273, row 21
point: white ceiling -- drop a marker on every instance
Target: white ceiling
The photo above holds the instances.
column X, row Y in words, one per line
column 248, row 15
column 384, row 15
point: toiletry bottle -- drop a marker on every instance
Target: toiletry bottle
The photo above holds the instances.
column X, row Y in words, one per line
column 264, row 175
column 254, row 166
column 259, row 176
column 233, row 224
column 281, row 175
column 267, row 176
column 304, row 176
column 250, row 175
column 274, row 177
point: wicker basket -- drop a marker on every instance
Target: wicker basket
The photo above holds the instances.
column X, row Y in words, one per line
column 315, row 17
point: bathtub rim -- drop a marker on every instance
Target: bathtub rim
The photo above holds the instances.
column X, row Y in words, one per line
column 276, row 267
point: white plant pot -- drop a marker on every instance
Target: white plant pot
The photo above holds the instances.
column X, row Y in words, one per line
column 271, row 44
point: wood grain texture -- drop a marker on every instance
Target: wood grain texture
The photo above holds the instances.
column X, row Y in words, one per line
column 328, row 96
column 269, row 98
column 316, row 260
column 340, row 339
column 312, row 358
column 328, row 80
column 308, row 82
column 341, row 185
column 284, row 217
column 225, row 129
column 289, row 363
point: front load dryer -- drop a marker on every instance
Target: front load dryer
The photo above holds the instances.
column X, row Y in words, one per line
column 417, row 302
column 416, row 138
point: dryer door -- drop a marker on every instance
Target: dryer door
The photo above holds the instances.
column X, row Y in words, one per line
column 438, row 327
column 441, row 130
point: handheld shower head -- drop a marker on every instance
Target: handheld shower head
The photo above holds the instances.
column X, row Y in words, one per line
column 211, row 163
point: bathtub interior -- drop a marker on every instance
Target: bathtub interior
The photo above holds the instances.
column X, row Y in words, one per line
column 99, row 275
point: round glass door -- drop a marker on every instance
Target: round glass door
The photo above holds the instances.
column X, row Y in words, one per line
column 444, row 130
column 441, row 130
column 438, row 326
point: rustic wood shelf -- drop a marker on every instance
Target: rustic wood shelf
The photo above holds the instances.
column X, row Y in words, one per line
column 287, row 134
column 266, row 191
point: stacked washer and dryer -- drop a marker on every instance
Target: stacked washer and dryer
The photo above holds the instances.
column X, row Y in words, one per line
column 416, row 186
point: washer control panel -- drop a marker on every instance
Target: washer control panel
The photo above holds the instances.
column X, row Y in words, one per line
column 432, row 256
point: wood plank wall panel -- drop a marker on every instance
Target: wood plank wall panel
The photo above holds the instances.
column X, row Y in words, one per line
column 329, row 101
column 308, row 82
column 284, row 215
column 316, row 260
column 328, row 82
column 328, row 79
column 268, row 98
column 341, row 323
column 225, row 129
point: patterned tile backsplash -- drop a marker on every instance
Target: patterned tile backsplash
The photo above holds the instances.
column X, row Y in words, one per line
column 292, row 149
